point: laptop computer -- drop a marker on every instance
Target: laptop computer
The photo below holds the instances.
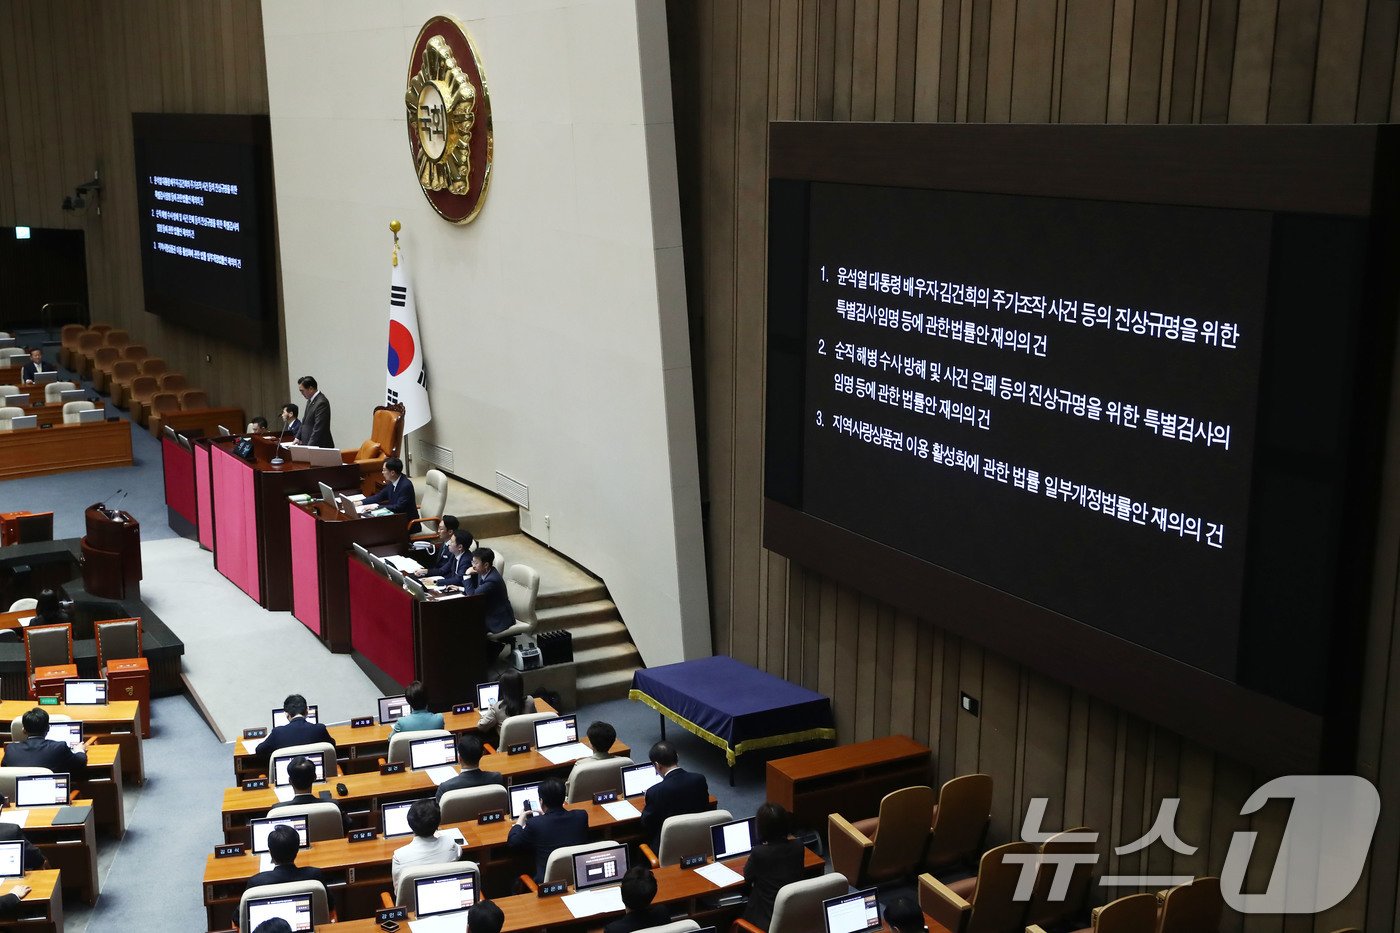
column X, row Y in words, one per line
column 327, row 493
column 637, row 778
column 293, row 908
column 280, row 777
column 733, row 838
column 557, row 739
column 395, row 575
column 852, row 913
column 432, row 752
column 20, row 400
column 78, row 395
column 45, row 377
column 12, row 859
column 260, row 829
column 280, row 717
column 445, row 894
column 69, row 731
column 224, row 432
column 487, row 693
column 81, row 692
column 415, row 589
column 394, row 818
column 392, row 709
column 600, row 866
column 524, row 797
column 92, row 416
column 23, row 421
column 41, row 790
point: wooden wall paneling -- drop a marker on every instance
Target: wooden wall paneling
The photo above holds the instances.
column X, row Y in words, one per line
column 827, row 648
column 1378, row 72
column 887, row 41
column 957, row 49
column 1135, row 808
column 1084, row 81
column 1145, row 65
column 1101, row 776
column 1000, row 55
column 772, row 616
column 809, row 18
column 783, row 76
column 825, row 66
column 1254, row 51
column 1033, row 57
column 1195, row 783
column 1341, row 38
column 1217, row 78
column 906, row 59
column 975, row 67
column 928, row 63
column 1120, row 62
column 1075, row 768
column 1182, row 101
column 997, row 730
column 1163, row 783
column 1167, row 58
column 1057, row 63
column 967, row 731
column 865, row 647
column 927, row 696
column 865, row 60
column 1047, row 713
column 903, row 698
column 7, row 89
column 846, row 646
column 1292, row 77
column 948, row 663
column 792, row 613
column 843, row 57
column 1232, row 786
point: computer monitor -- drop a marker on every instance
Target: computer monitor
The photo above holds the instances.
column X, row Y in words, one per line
column 524, row 797
column 600, row 867
column 561, row 730
column 24, row 421
column 260, row 829
column 46, row 377
column 415, row 589
column 91, row 416
column 293, row 908
column 20, row 400
column 851, row 913
column 280, row 777
column 733, row 838
column 224, row 432
column 394, row 817
column 280, row 717
column 12, row 859
column 445, row 894
column 361, row 550
column 69, row 731
column 392, row 709
column 395, row 575
column 79, row 692
column 327, row 493
column 637, row 778
column 486, row 694
column 78, row 395
column 41, row 790
column 432, row 752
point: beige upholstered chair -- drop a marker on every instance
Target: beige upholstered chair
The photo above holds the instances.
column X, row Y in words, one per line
column 960, row 820
column 798, row 906
column 678, row 926
column 53, row 392
column 560, row 865
column 71, row 410
column 8, row 775
column 7, row 416
column 523, row 588
column 9, row 356
column 1074, row 904
column 28, row 602
column 325, row 749
column 1192, row 908
column 432, row 500
column 320, row 906
column 519, row 729
column 887, row 847
column 407, row 893
column 467, row 803
column 1136, row 913
column 984, row 904
column 9, row 390
column 592, row 775
column 68, row 342
column 682, row 835
column 323, row 819
column 88, row 343
column 399, row 742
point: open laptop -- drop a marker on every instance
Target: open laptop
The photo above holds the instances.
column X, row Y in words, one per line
column 280, row 777
column 92, row 416
column 280, row 717
column 44, row 378
column 637, row 778
column 41, row 790
column 12, row 859
column 293, row 908
column 23, row 421
column 260, row 829
column 80, row 692
column 488, row 693
column 19, row 400
column 852, row 913
column 77, row 395
column 557, row 739
column 392, row 709
column 734, row 838
column 327, row 493
column 395, row 575
column 445, row 894
column 416, row 589
column 224, row 432
column 600, row 866
column 434, row 752
column 69, row 731
column 394, row 818
column 524, row 797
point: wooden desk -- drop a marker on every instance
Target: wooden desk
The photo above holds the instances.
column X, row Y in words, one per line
column 101, row 783
column 204, row 421
column 371, row 790
column 64, row 448
column 11, row 619
column 848, row 779
column 42, row 910
column 71, row 849
column 119, row 719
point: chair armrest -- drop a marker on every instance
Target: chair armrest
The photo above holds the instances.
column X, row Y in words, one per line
column 386, row 900
column 529, row 884
column 1035, row 928
column 850, row 848
column 650, row 856
column 942, row 904
column 486, row 747
column 745, row 926
column 348, row 456
column 382, row 762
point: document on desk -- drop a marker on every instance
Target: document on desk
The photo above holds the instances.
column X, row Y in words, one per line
column 622, row 810
column 720, row 875
column 284, row 792
column 265, row 862
column 441, row 773
column 454, row 922
column 590, row 903
column 559, row 754
column 404, row 564
column 251, row 745
column 17, row 817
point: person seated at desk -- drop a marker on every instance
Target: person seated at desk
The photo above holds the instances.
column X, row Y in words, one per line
column 447, row 529
column 36, row 751
column 469, row 752
column 426, row 847
column 36, row 365
column 774, row 862
column 511, row 701
column 33, row 856
column 298, row 730
column 420, row 718
column 458, row 565
column 273, row 925
column 291, row 424
column 397, row 493
column 48, row 609
column 258, row 425
column 10, row 901
column 638, row 892
column 679, row 791
column 301, row 771
column 485, row 581
column 551, row 827
column 282, row 846
column 485, row 917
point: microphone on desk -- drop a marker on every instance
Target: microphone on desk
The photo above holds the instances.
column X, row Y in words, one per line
column 277, row 460
column 116, row 516
column 102, row 505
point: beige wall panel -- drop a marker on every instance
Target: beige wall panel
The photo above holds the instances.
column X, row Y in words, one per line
column 1374, row 86
column 1294, row 72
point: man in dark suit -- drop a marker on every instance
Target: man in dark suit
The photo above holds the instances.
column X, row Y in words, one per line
column 297, row 731
column 552, row 828
column 469, row 752
column 485, row 581
column 282, row 845
column 679, row 791
column 291, row 424
column 315, row 430
column 457, row 564
column 302, row 773
column 397, row 494
column 36, row 751
column 31, row 370
column 638, row 892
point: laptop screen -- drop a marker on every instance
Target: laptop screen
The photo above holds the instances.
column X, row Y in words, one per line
column 12, row 859
column 636, row 779
column 486, row 694
column 395, row 818
column 558, row 731
column 293, row 908
column 262, row 828
column 280, row 717
column 601, row 866
column 524, row 797
column 445, row 894
column 84, row 692
column 70, row 732
column 327, row 494
column 731, row 839
column 852, row 913
column 41, row 790
column 280, row 776
column 392, row 709
column 430, row 753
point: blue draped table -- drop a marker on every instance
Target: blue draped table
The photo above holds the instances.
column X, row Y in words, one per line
column 733, row 706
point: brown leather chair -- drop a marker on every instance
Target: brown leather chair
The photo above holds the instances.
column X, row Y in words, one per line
column 984, row 904
column 154, row 366
column 122, row 370
column 102, row 360
column 173, row 382
column 887, row 847
column 1074, row 904
column 116, row 338
column 193, row 398
column 135, row 351
column 1136, row 913
column 82, row 356
column 117, row 638
column 161, row 404
column 44, row 646
column 137, row 394
column 960, row 820
column 124, row 373
column 386, row 434
column 68, row 343
column 1195, row 907
column 102, row 328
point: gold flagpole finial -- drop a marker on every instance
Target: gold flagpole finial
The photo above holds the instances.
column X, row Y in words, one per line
column 395, row 227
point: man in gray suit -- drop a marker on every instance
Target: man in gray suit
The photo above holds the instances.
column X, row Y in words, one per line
column 315, row 430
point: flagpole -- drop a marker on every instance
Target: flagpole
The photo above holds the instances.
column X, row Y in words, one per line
column 394, row 228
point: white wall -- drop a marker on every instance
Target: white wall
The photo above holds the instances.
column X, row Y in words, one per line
column 555, row 324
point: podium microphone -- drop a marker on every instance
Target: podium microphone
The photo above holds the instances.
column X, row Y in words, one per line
column 277, row 460
column 116, row 516
column 102, row 505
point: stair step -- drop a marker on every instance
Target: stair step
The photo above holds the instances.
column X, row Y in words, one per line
column 608, row 658
column 598, row 635
column 604, row 686
column 571, row 615
column 594, row 591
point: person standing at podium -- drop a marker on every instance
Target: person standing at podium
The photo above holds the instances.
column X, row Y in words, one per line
column 31, row 370
column 397, row 493
column 315, row 428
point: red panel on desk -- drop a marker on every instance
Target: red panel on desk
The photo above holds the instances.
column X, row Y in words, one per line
column 306, row 581
column 179, row 479
column 381, row 622
column 236, row 524
column 204, row 495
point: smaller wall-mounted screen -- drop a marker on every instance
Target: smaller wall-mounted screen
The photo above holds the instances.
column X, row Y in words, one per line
column 205, row 214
